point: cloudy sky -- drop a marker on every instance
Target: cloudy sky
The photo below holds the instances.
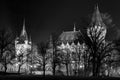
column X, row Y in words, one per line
column 45, row 17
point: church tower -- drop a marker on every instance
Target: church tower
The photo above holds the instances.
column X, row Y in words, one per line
column 22, row 43
column 23, row 34
column 97, row 25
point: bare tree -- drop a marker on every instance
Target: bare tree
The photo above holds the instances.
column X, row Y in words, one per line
column 42, row 50
column 98, row 49
column 34, row 58
column 6, row 46
column 20, row 59
column 55, row 61
column 63, row 57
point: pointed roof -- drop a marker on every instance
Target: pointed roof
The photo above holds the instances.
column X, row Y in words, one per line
column 51, row 38
column 23, row 32
column 96, row 17
column 30, row 40
column 74, row 28
column 69, row 36
column 50, row 41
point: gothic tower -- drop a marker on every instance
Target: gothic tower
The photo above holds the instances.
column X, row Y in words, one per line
column 22, row 43
column 97, row 25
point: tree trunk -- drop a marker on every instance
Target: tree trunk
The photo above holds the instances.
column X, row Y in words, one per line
column 43, row 65
column 76, row 68
column 94, row 68
column 5, row 68
column 54, row 68
column 5, row 65
column 31, row 64
column 85, row 64
column 19, row 68
column 94, row 62
column 67, row 68
column 94, row 72
column 54, row 65
column 98, row 68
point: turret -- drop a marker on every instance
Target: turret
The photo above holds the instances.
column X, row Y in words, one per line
column 96, row 18
column 97, row 24
column 30, row 41
column 74, row 28
column 50, row 44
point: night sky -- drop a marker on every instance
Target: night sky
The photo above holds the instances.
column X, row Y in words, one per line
column 45, row 17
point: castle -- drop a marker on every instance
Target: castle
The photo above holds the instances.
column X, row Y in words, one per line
column 71, row 39
column 70, row 42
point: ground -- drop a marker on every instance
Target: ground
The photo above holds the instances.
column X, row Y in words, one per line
column 38, row 77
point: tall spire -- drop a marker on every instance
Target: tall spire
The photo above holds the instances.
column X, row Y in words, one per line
column 23, row 32
column 30, row 40
column 50, row 37
column 51, row 41
column 96, row 17
column 74, row 28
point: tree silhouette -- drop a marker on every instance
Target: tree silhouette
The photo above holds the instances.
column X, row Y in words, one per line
column 20, row 60
column 42, row 47
column 66, row 59
column 55, row 60
column 6, row 47
column 98, row 49
column 34, row 58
